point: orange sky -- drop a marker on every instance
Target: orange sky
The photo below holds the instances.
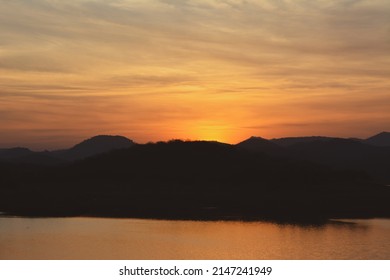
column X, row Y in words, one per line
column 216, row 70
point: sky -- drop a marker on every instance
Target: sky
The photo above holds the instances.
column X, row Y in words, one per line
column 223, row 70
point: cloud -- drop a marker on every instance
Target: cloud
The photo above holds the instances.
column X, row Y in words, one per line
column 179, row 61
column 126, row 34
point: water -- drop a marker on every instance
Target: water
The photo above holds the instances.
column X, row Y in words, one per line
column 98, row 238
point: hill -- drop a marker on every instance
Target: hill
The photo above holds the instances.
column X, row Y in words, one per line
column 94, row 146
column 289, row 141
column 87, row 148
column 355, row 154
column 13, row 153
column 192, row 180
column 258, row 144
column 381, row 139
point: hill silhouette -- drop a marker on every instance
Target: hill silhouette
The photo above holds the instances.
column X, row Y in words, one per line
column 87, row 148
column 258, row 144
column 196, row 180
column 94, row 146
column 381, row 139
column 344, row 153
column 336, row 152
column 289, row 141
column 13, row 153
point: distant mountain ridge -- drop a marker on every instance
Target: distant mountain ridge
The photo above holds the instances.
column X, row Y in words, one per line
column 258, row 144
column 14, row 153
column 94, row 146
column 90, row 147
column 289, row 141
column 201, row 180
column 371, row 155
column 381, row 139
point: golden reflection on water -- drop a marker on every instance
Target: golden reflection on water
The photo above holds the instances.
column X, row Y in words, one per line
column 97, row 238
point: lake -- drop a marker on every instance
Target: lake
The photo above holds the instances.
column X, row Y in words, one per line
column 104, row 238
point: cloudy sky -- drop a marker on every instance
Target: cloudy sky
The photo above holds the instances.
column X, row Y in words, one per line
column 207, row 69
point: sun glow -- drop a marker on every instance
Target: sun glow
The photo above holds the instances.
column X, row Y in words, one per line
column 210, row 132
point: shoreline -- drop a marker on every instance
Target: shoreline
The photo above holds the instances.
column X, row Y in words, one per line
column 301, row 222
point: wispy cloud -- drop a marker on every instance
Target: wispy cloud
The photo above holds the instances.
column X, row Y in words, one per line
column 228, row 62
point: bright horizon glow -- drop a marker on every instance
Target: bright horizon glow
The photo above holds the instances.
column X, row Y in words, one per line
column 213, row 70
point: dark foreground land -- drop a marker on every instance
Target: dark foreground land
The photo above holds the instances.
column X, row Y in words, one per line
column 192, row 180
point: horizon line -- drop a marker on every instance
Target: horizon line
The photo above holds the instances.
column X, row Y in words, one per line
column 185, row 140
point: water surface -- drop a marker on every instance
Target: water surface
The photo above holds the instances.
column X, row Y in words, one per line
column 99, row 238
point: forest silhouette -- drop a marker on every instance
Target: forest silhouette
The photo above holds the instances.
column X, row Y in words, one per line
column 291, row 179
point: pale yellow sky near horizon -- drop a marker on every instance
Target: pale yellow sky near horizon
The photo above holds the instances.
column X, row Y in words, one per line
column 215, row 70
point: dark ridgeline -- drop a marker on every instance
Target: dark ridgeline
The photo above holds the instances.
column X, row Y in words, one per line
column 94, row 146
column 381, row 139
column 90, row 147
column 18, row 152
column 342, row 153
column 301, row 180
